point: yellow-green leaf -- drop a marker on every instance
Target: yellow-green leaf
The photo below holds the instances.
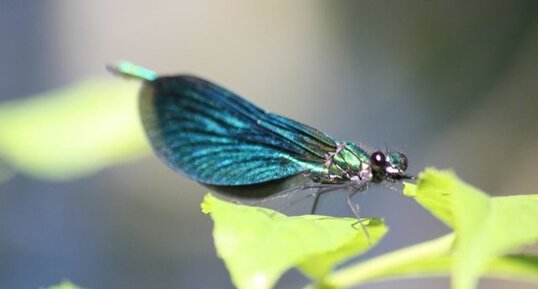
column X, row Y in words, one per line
column 490, row 227
column 427, row 259
column 74, row 131
column 435, row 194
column 258, row 245
column 485, row 227
column 65, row 285
column 318, row 266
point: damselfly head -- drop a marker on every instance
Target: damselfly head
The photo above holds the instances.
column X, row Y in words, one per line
column 389, row 166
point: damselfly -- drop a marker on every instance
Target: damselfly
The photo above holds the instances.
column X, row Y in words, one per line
column 219, row 139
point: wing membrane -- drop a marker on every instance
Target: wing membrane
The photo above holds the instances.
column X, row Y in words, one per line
column 218, row 138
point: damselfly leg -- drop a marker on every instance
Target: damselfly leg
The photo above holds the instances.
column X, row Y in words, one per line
column 354, row 207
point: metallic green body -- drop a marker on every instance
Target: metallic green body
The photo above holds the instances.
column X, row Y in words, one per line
column 217, row 138
column 351, row 158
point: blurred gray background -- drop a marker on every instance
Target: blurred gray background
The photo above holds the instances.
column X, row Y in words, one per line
column 452, row 83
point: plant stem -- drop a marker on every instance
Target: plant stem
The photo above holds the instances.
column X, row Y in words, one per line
column 390, row 264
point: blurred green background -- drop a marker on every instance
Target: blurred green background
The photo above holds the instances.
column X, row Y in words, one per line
column 452, row 83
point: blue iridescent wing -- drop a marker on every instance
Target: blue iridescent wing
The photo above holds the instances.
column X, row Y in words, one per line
column 218, row 138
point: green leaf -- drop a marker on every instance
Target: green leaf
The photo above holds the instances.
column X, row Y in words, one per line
column 427, row 259
column 258, row 245
column 490, row 227
column 435, row 193
column 485, row 227
column 74, row 131
column 65, row 285
column 420, row 259
column 318, row 266
column 519, row 267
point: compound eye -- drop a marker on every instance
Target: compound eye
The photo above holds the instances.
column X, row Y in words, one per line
column 378, row 161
